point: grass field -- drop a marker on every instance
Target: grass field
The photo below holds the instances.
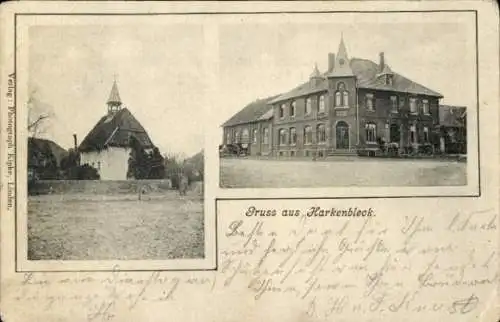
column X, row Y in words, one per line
column 115, row 227
column 344, row 171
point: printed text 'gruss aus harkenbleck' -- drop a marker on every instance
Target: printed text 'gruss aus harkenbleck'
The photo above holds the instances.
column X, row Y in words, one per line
column 312, row 211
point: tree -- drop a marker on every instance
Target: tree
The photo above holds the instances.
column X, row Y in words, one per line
column 143, row 165
column 39, row 114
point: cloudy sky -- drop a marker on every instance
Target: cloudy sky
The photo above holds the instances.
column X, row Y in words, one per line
column 159, row 71
column 271, row 59
column 163, row 71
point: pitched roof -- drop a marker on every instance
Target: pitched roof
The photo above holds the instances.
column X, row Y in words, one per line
column 115, row 130
column 114, row 95
column 366, row 73
column 258, row 110
column 303, row 89
column 452, row 115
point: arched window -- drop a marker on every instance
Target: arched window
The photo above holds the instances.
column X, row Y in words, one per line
column 321, row 104
column 394, row 104
column 307, row 135
column 413, row 134
column 321, row 133
column 308, row 108
column 292, row 108
column 371, row 132
column 426, row 134
column 425, row 107
column 369, row 102
column 413, row 106
column 245, row 138
column 341, row 96
column 282, row 111
column 401, row 102
column 265, row 136
column 282, row 136
column 338, row 99
column 293, row 136
column 237, row 137
column 254, row 136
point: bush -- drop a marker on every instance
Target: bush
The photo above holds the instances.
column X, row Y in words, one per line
column 82, row 172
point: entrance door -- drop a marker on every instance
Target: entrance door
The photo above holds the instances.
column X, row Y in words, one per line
column 395, row 134
column 342, row 135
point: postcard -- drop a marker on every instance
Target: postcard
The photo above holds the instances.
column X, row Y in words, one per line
column 249, row 161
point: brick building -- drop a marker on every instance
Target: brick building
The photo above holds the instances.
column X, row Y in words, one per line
column 356, row 106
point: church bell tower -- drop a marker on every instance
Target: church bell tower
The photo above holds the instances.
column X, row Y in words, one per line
column 114, row 101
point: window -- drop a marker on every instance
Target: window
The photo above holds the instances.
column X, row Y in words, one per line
column 321, row 133
column 401, row 102
column 371, row 132
column 413, row 133
column 228, row 138
column 245, row 138
column 237, row 137
column 425, row 107
column 307, row 135
column 426, row 134
column 308, row 106
column 265, row 136
column 293, row 136
column 282, row 111
column 394, row 104
column 99, row 165
column 369, row 102
column 338, row 99
column 254, row 136
column 282, row 137
column 292, row 109
column 321, row 104
column 341, row 96
column 413, row 105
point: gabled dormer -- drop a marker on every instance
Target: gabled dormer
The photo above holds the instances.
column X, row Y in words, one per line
column 315, row 78
column 385, row 75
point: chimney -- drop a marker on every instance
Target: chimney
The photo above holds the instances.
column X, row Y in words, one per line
column 381, row 61
column 75, row 142
column 331, row 61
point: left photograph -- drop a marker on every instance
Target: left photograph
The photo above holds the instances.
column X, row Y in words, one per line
column 115, row 160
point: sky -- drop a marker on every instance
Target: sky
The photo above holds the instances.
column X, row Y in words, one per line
column 439, row 56
column 157, row 68
column 163, row 71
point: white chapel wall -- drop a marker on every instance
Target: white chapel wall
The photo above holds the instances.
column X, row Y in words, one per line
column 111, row 163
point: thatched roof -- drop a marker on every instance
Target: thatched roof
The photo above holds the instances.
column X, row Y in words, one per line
column 115, row 130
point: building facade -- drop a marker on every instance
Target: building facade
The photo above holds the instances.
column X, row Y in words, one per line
column 356, row 106
column 107, row 147
column 252, row 128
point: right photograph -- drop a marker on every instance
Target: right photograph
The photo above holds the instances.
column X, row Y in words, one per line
column 332, row 105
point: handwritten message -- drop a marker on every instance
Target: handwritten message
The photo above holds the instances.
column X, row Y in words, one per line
column 321, row 267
